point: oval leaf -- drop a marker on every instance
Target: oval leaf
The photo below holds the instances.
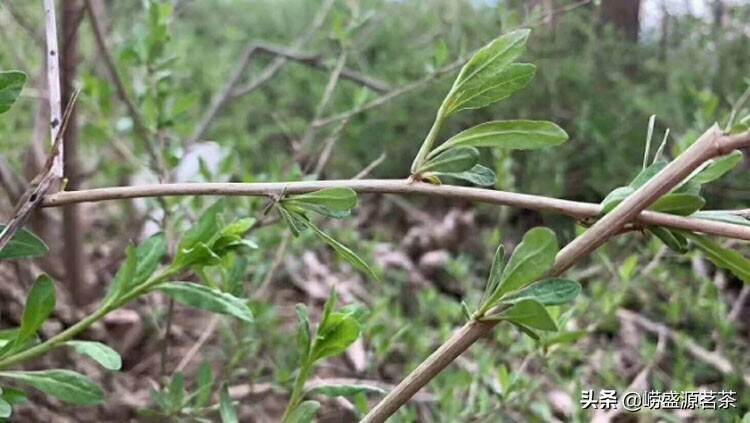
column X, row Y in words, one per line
column 102, row 354
column 11, row 84
column 548, row 292
column 331, row 202
column 39, row 305
column 511, row 134
column 453, row 160
column 486, row 63
column 530, row 313
column 205, row 298
column 720, row 256
column 491, row 87
column 531, row 259
column 719, row 167
column 680, row 204
column 65, row 385
column 477, row 175
column 24, row 244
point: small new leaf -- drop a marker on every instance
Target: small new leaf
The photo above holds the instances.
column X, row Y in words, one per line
column 484, row 72
column 331, row 202
column 478, row 175
column 452, row 161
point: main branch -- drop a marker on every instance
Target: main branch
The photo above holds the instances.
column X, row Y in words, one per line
column 709, row 145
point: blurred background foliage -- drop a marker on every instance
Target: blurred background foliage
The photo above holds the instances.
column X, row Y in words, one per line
column 602, row 69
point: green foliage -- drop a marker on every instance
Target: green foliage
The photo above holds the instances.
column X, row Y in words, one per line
column 226, row 408
column 336, row 331
column 40, row 303
column 488, row 77
column 511, row 293
column 11, row 84
column 23, row 245
column 206, row 298
column 65, row 385
column 102, row 354
column 333, row 202
column 510, row 134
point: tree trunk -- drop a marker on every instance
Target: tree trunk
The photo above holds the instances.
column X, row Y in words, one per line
column 624, row 15
column 73, row 253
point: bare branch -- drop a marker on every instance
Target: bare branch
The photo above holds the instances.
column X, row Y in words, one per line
column 231, row 90
column 575, row 209
column 53, row 81
column 714, row 359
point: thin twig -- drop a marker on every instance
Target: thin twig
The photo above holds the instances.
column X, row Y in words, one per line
column 375, row 163
column 709, row 145
column 712, row 358
column 231, row 89
column 24, row 24
column 139, row 122
column 316, row 61
column 53, row 82
column 575, row 209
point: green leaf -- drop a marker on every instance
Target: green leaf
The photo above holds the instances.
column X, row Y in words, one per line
column 198, row 255
column 125, row 277
column 14, row 396
column 674, row 240
column 205, row 385
column 295, row 225
column 226, row 408
column 525, row 329
column 345, row 390
column 5, row 409
column 101, row 353
column 205, row 298
column 488, row 88
column 496, row 271
column 531, row 260
column 231, row 237
column 548, row 292
column 304, row 413
column 40, row 303
column 721, row 216
column 204, row 230
column 336, row 333
column 680, row 204
column 477, row 175
column 530, row 313
column 331, row 202
column 11, row 84
column 452, row 161
column 510, row 134
column 343, row 251
column 24, row 244
column 177, row 391
column 482, row 70
column 719, row 167
column 65, row 385
column 304, row 331
column 720, row 256
column 615, row 197
column 148, row 256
